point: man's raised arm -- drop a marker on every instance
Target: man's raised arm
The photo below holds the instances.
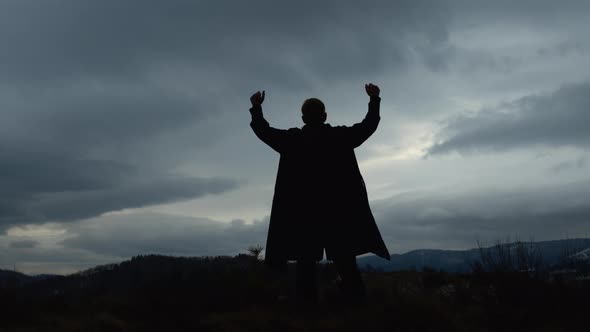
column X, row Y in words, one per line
column 361, row 131
column 273, row 137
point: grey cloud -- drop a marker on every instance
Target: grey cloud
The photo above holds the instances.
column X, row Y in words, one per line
column 565, row 48
column 142, row 233
column 458, row 220
column 545, row 12
column 123, row 117
column 89, row 117
column 24, row 171
column 563, row 166
column 40, row 187
column 556, row 119
column 23, row 244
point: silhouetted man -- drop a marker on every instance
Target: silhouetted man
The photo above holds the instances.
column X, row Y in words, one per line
column 320, row 200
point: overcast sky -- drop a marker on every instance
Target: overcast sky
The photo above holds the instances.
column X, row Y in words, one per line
column 124, row 125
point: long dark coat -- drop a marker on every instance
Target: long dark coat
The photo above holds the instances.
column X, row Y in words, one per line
column 320, row 200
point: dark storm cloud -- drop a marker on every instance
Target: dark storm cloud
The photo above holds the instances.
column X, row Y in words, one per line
column 25, row 171
column 65, row 153
column 140, row 233
column 101, row 101
column 458, row 220
column 114, row 38
column 40, row 186
column 557, row 119
column 45, row 40
column 130, row 194
column 60, row 197
column 114, row 119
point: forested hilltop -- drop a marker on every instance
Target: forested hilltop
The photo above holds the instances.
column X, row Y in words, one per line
column 154, row 292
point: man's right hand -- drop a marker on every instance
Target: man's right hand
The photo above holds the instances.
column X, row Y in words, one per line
column 372, row 90
column 257, row 98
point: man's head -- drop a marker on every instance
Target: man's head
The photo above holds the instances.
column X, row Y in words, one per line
column 314, row 112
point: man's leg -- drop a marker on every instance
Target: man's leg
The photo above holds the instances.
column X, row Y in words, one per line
column 352, row 281
column 305, row 281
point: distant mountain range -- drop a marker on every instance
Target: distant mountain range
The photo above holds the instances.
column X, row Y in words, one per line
column 552, row 253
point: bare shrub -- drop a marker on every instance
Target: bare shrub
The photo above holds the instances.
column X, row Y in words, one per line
column 256, row 251
column 509, row 256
